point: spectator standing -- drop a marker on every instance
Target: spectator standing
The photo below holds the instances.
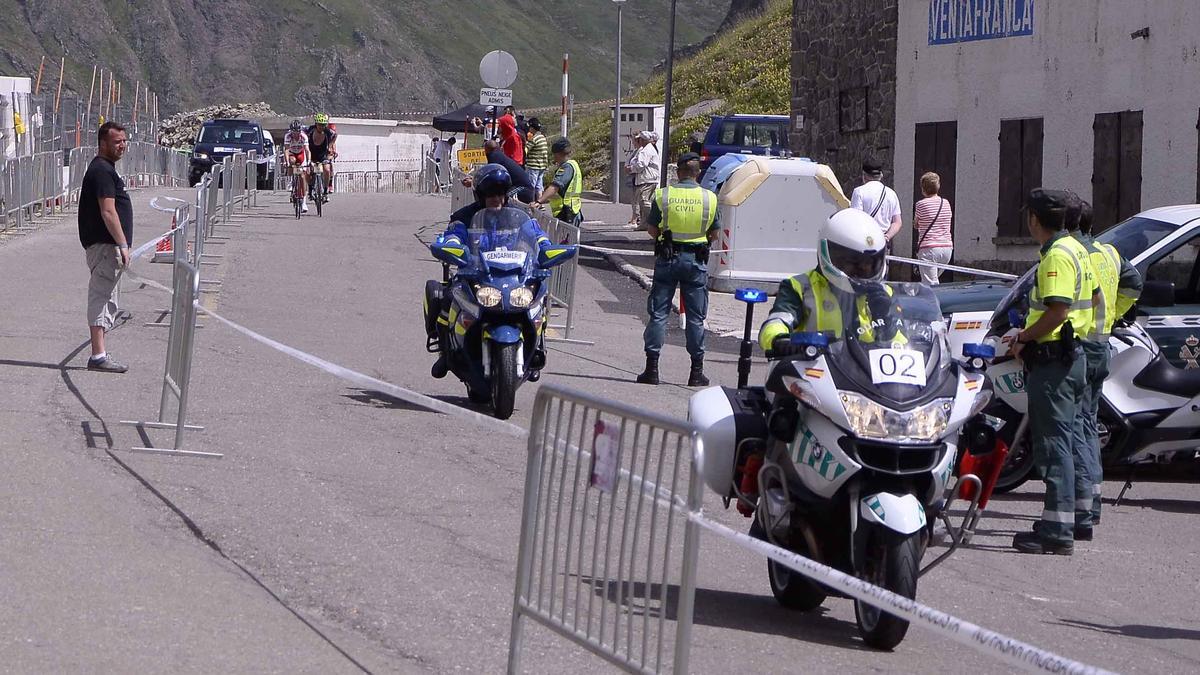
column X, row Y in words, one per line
column 537, row 155
column 105, row 230
column 564, row 194
column 442, row 148
column 510, row 140
column 645, row 169
column 932, row 217
column 877, row 200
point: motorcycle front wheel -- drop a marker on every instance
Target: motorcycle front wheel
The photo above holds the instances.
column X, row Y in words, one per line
column 892, row 561
column 791, row 589
column 504, row 378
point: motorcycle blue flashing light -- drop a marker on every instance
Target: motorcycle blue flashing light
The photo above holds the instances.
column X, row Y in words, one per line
column 973, row 350
column 810, row 339
column 750, row 295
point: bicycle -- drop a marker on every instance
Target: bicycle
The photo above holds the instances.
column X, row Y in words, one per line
column 317, row 187
column 298, row 190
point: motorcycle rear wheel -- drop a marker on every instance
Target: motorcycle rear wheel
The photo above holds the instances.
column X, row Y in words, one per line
column 791, row 589
column 504, row 379
column 893, row 562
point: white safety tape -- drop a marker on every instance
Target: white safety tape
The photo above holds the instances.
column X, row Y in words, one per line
column 893, row 258
column 178, row 202
column 1009, row 650
column 954, row 268
column 144, row 248
column 356, row 377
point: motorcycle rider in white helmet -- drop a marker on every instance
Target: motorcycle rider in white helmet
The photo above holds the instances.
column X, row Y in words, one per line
column 851, row 250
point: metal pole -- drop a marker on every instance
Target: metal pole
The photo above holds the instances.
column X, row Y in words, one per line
column 564, row 97
column 616, row 132
column 666, row 151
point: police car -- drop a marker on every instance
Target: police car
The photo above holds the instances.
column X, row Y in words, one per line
column 1164, row 245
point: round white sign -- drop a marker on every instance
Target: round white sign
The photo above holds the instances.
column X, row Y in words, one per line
column 498, row 69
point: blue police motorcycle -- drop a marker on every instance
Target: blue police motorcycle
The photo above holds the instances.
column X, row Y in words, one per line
column 489, row 319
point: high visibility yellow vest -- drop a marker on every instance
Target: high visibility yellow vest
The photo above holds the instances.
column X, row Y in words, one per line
column 823, row 312
column 574, row 196
column 1106, row 264
column 1065, row 271
column 687, row 211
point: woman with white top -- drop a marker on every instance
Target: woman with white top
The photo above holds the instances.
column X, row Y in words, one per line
column 932, row 217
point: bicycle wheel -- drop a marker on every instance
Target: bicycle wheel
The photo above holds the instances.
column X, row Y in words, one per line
column 319, row 191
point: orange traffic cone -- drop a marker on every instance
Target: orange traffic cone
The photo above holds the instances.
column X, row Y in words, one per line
column 164, row 250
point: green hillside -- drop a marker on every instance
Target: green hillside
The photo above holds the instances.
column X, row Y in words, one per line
column 747, row 66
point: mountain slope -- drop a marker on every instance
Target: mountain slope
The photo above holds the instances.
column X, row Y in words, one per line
column 746, row 67
column 343, row 55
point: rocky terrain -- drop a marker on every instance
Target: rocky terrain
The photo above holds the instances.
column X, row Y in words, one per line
column 345, row 56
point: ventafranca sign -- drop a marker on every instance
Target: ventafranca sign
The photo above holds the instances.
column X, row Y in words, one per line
column 953, row 21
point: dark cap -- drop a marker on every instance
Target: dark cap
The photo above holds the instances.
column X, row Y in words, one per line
column 687, row 157
column 560, row 145
column 1042, row 201
column 872, row 167
column 534, row 123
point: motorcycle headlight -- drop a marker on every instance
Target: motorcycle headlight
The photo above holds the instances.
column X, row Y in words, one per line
column 520, row 296
column 983, row 398
column 488, row 296
column 868, row 419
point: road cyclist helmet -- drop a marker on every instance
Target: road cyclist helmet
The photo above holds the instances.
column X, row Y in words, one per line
column 295, row 126
column 491, row 180
column 321, row 118
column 851, row 248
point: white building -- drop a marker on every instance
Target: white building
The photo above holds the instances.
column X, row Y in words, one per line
column 1097, row 96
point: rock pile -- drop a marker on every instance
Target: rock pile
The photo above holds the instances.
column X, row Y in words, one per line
column 179, row 130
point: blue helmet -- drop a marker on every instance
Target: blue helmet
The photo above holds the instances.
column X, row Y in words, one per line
column 491, row 180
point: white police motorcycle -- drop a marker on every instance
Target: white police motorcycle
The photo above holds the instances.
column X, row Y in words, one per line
column 846, row 454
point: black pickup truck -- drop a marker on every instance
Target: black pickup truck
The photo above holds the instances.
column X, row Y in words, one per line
column 220, row 138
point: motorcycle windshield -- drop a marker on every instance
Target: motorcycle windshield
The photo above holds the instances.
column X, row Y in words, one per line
column 1014, row 306
column 893, row 347
column 500, row 242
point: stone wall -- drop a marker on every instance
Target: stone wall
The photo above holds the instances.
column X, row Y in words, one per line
column 844, row 84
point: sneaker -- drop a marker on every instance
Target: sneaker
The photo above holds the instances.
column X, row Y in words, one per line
column 106, row 364
column 1032, row 542
column 304, row 207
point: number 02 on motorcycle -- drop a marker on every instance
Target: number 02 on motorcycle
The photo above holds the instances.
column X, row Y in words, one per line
column 897, row 366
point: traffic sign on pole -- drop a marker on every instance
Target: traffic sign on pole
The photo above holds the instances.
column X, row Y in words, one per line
column 496, row 97
column 498, row 69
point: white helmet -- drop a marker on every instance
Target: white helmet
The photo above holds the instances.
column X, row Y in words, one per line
column 851, row 247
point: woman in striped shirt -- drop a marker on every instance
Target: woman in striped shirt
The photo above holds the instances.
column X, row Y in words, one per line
column 931, row 218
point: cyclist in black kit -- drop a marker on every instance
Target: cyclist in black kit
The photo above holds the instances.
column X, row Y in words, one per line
column 322, row 143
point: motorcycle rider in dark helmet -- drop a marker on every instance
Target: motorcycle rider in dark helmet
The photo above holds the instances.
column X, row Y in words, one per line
column 492, row 186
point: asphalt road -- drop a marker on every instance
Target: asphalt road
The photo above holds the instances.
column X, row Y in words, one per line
column 346, row 530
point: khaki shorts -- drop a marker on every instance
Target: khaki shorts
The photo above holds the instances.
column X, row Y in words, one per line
column 103, row 261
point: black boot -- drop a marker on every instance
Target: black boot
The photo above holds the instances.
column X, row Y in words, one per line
column 696, row 378
column 650, row 375
column 440, row 367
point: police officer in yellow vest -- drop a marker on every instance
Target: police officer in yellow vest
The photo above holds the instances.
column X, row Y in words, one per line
column 1120, row 286
column 1060, row 316
column 564, row 194
column 683, row 221
column 850, row 248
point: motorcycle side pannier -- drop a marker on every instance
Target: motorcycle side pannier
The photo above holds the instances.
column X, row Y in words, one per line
column 732, row 423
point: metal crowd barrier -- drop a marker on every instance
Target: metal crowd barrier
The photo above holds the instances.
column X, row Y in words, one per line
column 604, row 537
column 608, row 489
column 43, row 183
column 407, row 182
column 460, row 195
column 180, row 343
column 562, row 281
column 30, row 186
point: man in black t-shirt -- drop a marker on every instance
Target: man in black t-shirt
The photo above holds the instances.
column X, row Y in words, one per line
column 105, row 231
